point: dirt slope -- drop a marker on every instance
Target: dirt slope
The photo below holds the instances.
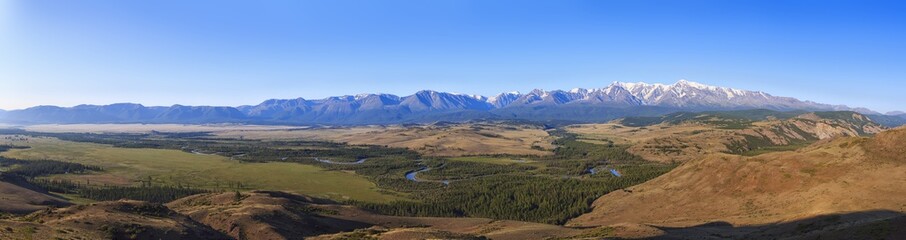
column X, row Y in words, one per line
column 840, row 175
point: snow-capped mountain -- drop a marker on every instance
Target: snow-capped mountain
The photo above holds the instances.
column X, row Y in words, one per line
column 504, row 99
column 683, row 94
column 427, row 100
column 616, row 100
column 686, row 94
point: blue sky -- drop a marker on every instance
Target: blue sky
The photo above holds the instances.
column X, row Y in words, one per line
column 243, row 52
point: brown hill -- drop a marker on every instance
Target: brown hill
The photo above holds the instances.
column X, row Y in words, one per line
column 686, row 139
column 255, row 215
column 123, row 219
column 277, row 215
column 833, row 176
column 888, row 146
column 263, row 215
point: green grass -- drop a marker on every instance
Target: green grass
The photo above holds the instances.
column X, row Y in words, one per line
column 125, row 166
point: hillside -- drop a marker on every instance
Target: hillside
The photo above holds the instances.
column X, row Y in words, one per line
column 277, row 215
column 685, row 136
column 834, row 176
column 124, row 219
column 255, row 215
column 18, row 196
column 264, row 215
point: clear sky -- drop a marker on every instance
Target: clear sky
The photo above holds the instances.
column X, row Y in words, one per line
column 161, row 52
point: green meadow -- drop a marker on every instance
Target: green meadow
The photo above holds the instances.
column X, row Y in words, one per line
column 129, row 166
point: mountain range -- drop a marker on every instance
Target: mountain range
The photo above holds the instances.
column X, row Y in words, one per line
column 583, row 105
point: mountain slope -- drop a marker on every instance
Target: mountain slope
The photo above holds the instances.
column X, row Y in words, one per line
column 838, row 175
column 692, row 95
column 889, row 120
column 120, row 112
column 587, row 105
column 684, row 136
column 199, row 114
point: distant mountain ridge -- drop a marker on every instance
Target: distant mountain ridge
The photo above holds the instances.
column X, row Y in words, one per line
column 614, row 101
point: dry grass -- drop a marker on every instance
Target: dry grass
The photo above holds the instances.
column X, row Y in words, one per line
column 688, row 141
column 459, row 140
column 421, row 227
column 301, row 134
column 663, row 143
column 832, row 176
column 122, row 219
column 256, row 210
column 431, row 140
column 452, row 140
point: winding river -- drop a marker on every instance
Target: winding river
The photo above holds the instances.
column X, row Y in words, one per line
column 613, row 172
column 360, row 161
column 411, row 176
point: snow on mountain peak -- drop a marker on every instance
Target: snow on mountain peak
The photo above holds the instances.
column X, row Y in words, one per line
column 681, row 94
column 684, row 82
column 362, row 95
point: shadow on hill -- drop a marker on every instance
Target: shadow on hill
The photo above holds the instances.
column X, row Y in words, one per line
column 314, row 225
column 879, row 224
column 18, row 196
column 304, row 223
column 298, row 198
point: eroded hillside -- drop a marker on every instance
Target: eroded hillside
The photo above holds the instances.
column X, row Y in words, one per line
column 685, row 137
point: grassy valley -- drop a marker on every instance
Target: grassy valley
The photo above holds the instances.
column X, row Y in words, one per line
column 335, row 183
